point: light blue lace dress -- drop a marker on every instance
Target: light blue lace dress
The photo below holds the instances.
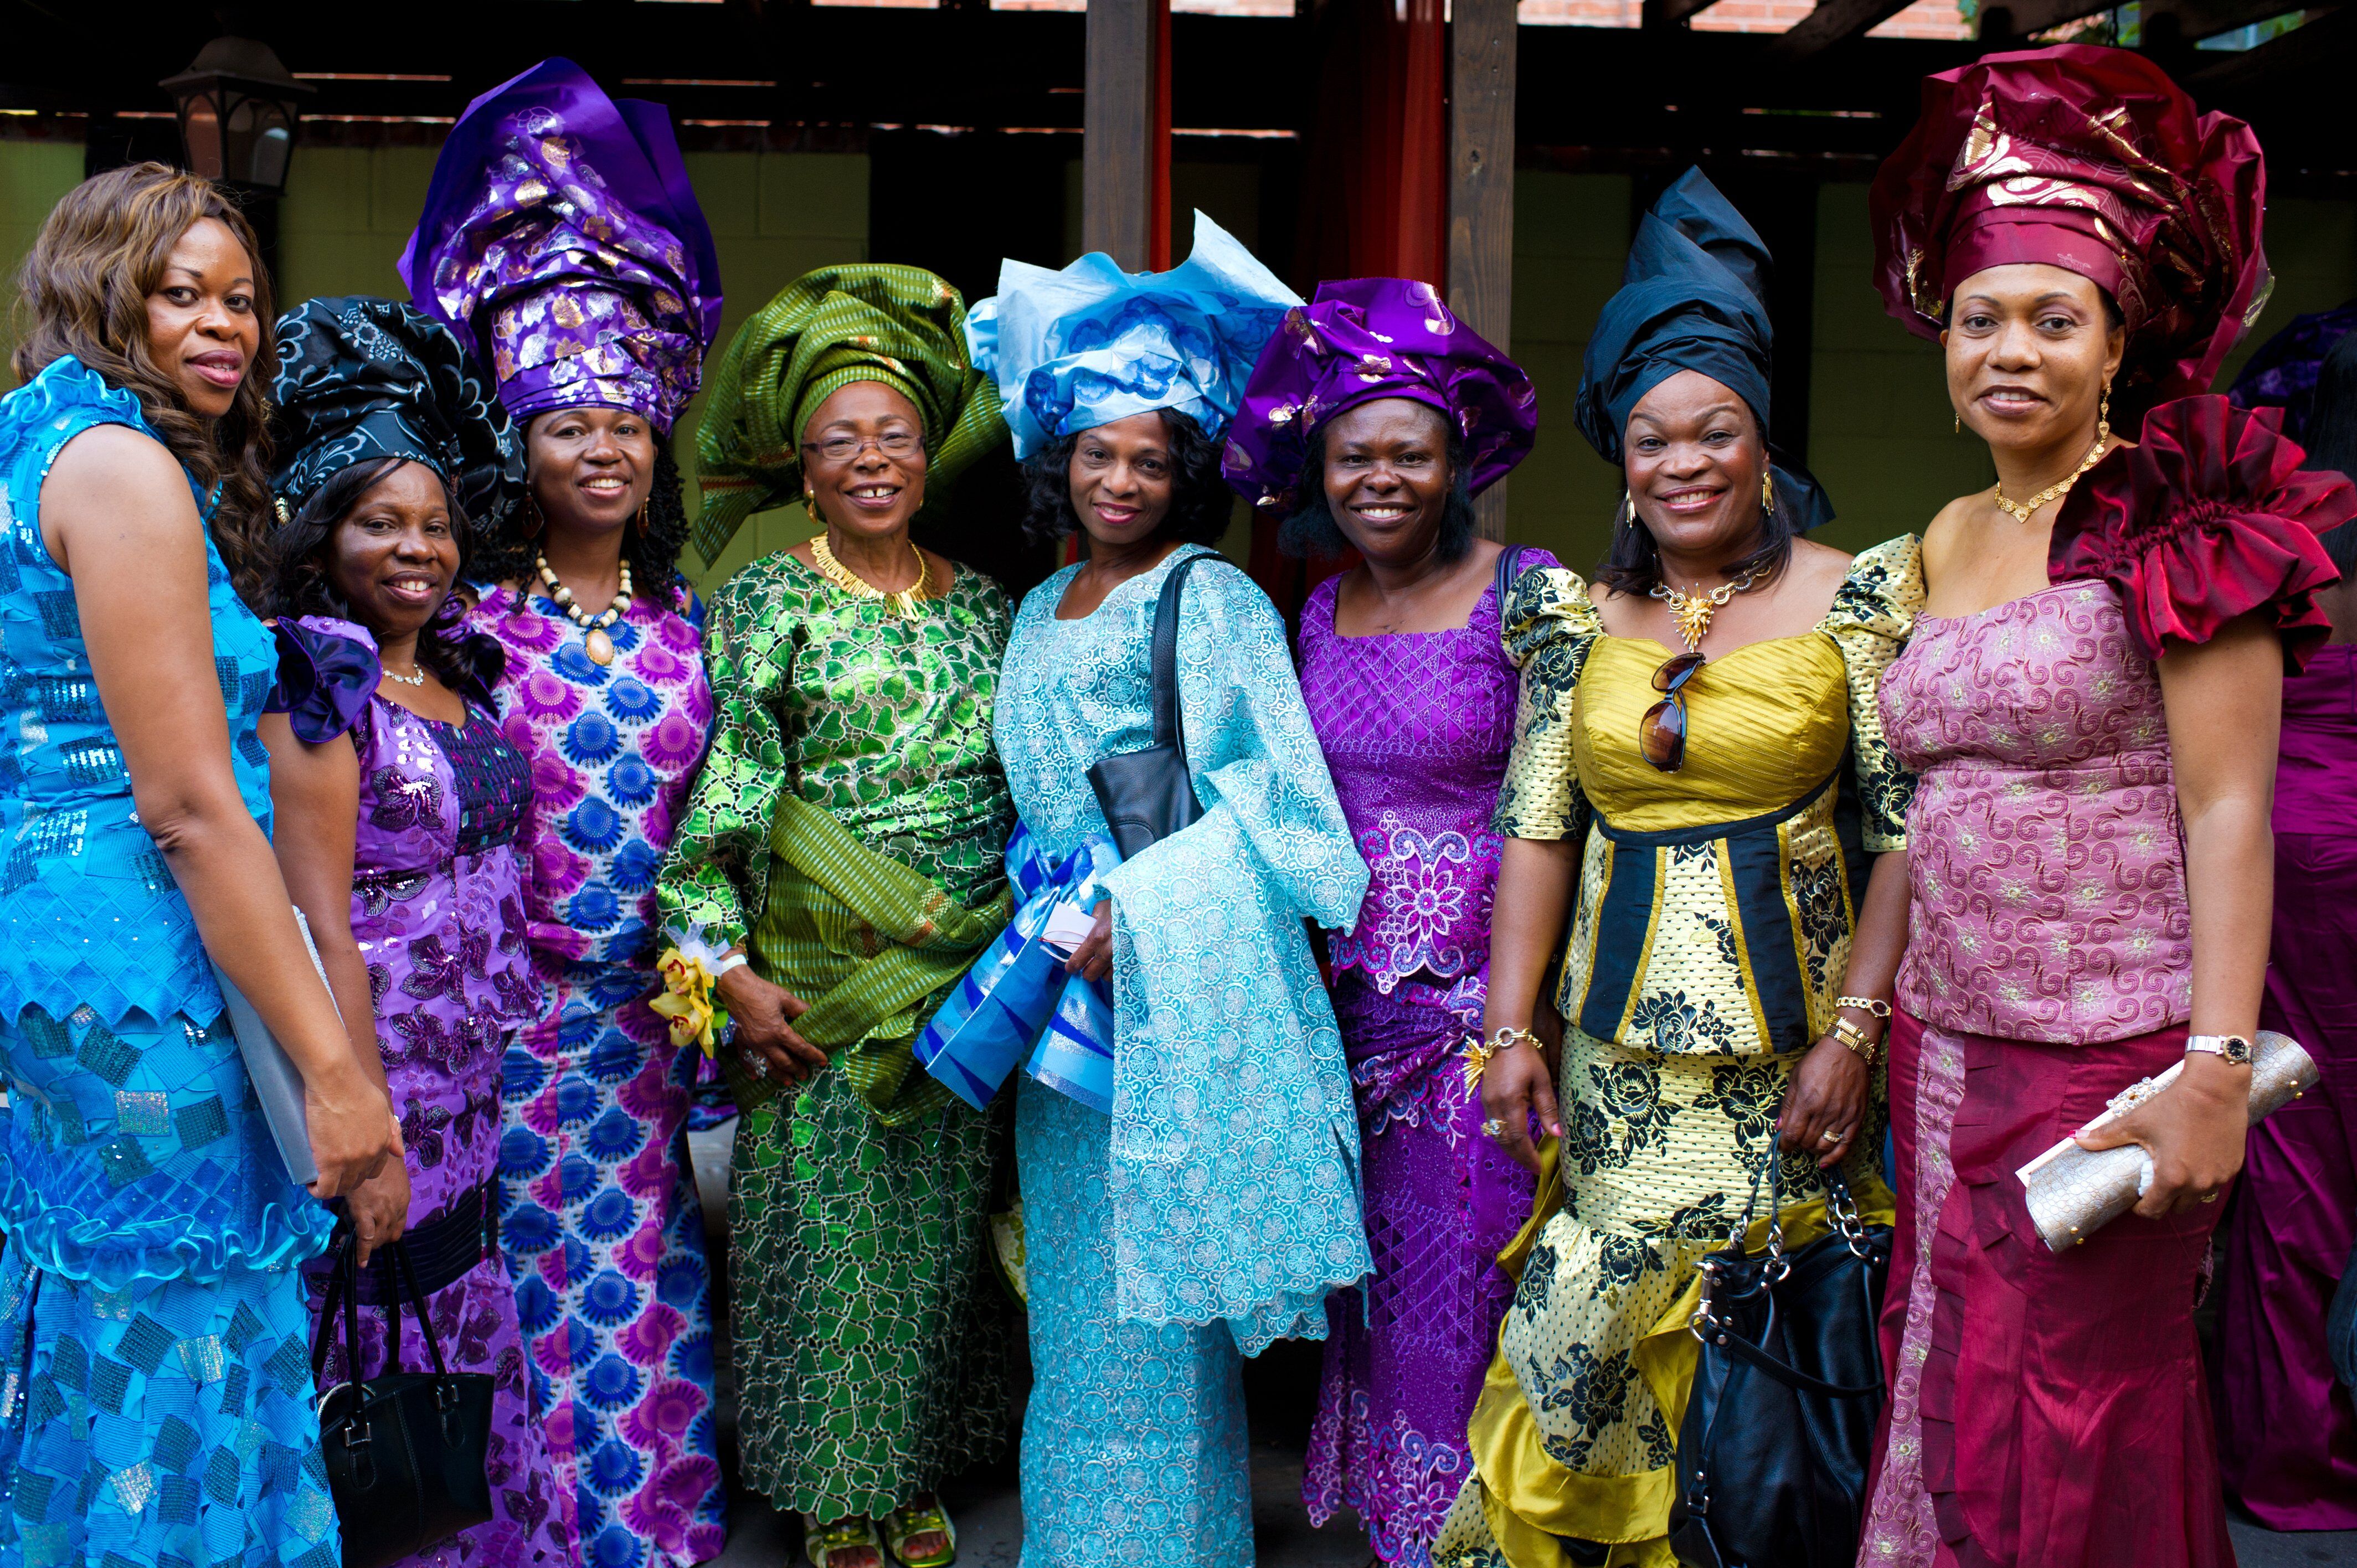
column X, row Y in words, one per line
column 1212, row 1211
column 156, row 1394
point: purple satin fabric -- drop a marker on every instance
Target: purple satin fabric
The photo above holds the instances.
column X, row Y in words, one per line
column 2287, row 1428
column 324, row 679
column 561, row 226
column 1364, row 339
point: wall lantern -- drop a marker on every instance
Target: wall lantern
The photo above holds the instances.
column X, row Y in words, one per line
column 237, row 106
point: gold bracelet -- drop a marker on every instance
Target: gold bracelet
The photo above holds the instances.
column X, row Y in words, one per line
column 1866, row 1005
column 1850, row 1035
column 1478, row 1051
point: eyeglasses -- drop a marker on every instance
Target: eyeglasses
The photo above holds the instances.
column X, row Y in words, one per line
column 894, row 444
column 1662, row 733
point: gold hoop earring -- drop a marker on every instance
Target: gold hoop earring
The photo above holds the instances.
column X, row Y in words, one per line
column 1768, row 493
column 810, row 505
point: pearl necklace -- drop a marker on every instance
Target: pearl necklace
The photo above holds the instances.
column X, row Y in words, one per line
column 417, row 679
column 1692, row 611
column 902, row 601
column 2020, row 511
column 597, row 644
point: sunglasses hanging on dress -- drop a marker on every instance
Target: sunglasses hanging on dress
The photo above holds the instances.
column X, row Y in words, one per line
column 1662, row 733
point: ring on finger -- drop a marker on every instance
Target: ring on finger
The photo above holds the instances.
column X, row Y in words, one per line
column 1495, row 1130
column 1830, row 1136
column 755, row 1065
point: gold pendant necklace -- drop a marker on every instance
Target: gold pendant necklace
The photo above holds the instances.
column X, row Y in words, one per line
column 597, row 644
column 1692, row 611
column 902, row 602
column 2020, row 511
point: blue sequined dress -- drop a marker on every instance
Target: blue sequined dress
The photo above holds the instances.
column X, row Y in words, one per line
column 155, row 1393
column 1213, row 1209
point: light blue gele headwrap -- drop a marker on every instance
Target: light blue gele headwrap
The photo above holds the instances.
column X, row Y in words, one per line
column 1080, row 348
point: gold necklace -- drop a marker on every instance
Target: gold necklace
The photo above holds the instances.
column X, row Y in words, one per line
column 1692, row 611
column 2020, row 511
column 902, row 601
column 596, row 644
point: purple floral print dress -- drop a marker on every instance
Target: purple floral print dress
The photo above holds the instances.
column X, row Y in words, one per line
column 437, row 908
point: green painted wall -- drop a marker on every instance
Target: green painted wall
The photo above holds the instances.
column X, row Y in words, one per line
column 1571, row 236
column 33, row 176
column 1882, row 435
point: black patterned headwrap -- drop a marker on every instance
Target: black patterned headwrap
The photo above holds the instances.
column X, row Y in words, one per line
column 361, row 379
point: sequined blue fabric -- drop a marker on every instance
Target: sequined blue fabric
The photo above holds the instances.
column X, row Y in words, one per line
column 168, row 1425
column 133, row 1151
column 89, row 914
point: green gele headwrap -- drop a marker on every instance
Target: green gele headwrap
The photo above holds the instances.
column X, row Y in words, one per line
column 900, row 326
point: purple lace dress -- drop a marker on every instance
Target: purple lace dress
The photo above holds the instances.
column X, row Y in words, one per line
column 438, row 907
column 1416, row 727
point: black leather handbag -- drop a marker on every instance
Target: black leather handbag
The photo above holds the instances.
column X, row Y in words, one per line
column 1148, row 794
column 1772, row 1454
column 405, row 1450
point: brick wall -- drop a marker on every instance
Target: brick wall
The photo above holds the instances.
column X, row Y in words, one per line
column 1924, row 19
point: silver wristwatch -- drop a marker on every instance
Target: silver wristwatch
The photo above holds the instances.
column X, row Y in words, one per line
column 2234, row 1048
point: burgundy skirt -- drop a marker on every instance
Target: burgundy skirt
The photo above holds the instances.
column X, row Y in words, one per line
column 2046, row 1409
column 2287, row 1428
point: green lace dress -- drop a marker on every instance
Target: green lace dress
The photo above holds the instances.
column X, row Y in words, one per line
column 870, row 1337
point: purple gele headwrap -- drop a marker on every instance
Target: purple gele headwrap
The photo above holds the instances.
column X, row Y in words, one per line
column 1365, row 338
column 562, row 242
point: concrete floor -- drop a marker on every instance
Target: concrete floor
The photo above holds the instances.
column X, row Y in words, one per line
column 989, row 1513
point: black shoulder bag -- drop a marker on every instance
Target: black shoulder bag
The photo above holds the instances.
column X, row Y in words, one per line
column 1148, row 794
column 1772, row 1453
column 405, row 1450
column 1508, row 559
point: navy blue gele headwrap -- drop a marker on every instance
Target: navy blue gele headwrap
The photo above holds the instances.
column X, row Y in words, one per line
column 360, row 378
column 1692, row 297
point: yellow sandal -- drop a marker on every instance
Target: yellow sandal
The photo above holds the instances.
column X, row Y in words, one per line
column 821, row 1542
column 921, row 1515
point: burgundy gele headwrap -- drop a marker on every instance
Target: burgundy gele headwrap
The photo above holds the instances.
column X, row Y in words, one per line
column 2093, row 160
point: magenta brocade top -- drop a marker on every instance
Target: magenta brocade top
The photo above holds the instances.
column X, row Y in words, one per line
column 2046, row 858
column 2048, row 878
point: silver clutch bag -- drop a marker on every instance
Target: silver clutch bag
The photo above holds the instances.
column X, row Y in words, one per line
column 277, row 1082
column 2073, row 1193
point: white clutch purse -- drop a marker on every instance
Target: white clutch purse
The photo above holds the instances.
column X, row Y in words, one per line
column 2073, row 1193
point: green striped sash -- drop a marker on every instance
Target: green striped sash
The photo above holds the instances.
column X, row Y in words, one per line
column 872, row 945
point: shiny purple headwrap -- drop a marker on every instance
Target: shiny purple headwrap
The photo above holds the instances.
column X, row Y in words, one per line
column 562, row 242
column 1365, row 338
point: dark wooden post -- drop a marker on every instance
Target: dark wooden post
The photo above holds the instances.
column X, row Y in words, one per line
column 1126, row 139
column 1482, row 188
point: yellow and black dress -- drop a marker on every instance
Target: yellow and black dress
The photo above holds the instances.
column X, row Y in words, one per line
column 1710, row 937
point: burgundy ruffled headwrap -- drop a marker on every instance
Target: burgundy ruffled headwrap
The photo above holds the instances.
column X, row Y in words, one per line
column 2093, row 160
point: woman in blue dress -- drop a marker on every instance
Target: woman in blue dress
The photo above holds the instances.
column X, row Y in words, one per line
column 156, row 1389
column 1199, row 1202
